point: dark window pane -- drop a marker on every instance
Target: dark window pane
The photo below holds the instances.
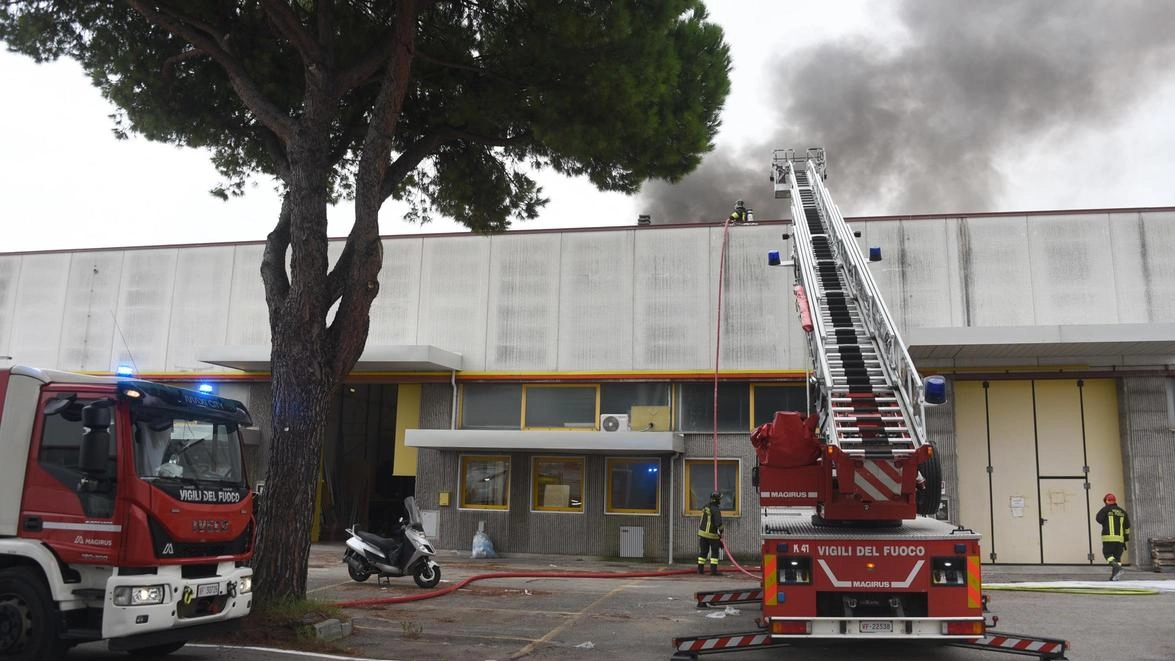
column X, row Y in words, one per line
column 701, row 484
column 621, row 397
column 769, row 399
column 632, row 484
column 697, row 407
column 491, row 406
column 548, row 406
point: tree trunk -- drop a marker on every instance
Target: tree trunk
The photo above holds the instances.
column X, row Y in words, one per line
column 301, row 402
column 302, row 365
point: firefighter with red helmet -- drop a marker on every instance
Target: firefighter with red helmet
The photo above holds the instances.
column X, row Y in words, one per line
column 1115, row 524
column 709, row 534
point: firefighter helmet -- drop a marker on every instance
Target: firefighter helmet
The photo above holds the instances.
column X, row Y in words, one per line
column 716, row 498
column 1110, row 499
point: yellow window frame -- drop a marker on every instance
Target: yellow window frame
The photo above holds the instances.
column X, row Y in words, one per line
column 466, row 459
column 610, row 462
column 708, row 464
column 537, row 486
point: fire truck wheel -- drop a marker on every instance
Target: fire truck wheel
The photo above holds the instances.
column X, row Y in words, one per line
column 157, row 650
column 929, row 494
column 28, row 619
column 427, row 575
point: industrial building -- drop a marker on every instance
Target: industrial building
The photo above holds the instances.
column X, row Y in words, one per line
column 557, row 388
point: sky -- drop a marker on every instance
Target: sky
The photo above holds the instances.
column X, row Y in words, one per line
column 939, row 107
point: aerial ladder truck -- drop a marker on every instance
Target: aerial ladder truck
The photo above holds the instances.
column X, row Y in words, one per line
column 848, row 489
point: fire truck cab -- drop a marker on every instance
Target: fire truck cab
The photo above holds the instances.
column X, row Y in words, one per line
column 125, row 514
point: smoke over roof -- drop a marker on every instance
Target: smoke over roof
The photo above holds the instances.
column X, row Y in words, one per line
column 926, row 123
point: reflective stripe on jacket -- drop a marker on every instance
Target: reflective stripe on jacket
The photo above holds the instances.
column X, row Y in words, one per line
column 711, row 527
column 1115, row 524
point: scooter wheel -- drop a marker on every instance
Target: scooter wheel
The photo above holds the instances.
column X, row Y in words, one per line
column 427, row 575
column 358, row 574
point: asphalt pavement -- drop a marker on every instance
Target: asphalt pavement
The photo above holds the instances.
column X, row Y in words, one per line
column 627, row 617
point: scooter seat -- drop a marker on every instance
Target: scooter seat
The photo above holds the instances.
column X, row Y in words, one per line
column 385, row 544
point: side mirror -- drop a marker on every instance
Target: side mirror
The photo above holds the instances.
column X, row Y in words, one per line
column 95, row 449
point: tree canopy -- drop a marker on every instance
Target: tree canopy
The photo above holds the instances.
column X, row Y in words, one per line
column 450, row 105
column 620, row 92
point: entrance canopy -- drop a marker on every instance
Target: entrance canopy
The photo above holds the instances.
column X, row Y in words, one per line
column 1128, row 344
column 581, row 442
column 386, row 358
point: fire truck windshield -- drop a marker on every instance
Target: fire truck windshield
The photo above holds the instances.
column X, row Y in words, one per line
column 187, row 449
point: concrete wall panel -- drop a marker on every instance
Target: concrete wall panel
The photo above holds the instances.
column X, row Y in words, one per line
column 596, row 301
column 87, row 328
column 40, row 301
column 454, row 289
column 9, row 286
column 523, row 317
column 394, row 311
column 674, row 303
column 1144, row 266
column 199, row 306
column 993, row 261
column 248, row 316
column 759, row 315
column 146, row 296
column 1072, row 273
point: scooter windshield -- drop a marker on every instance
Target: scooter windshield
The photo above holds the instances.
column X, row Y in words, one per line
column 413, row 511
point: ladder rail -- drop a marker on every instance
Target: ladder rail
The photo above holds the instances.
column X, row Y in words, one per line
column 867, row 310
column 900, row 369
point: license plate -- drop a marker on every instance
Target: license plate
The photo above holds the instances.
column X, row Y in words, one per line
column 213, row 589
column 877, row 627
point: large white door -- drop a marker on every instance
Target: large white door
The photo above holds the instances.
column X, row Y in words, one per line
column 1034, row 459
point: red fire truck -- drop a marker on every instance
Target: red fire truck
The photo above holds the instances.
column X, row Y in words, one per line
column 125, row 514
column 848, row 489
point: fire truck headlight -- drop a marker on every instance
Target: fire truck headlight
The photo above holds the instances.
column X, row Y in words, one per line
column 139, row 595
column 246, row 584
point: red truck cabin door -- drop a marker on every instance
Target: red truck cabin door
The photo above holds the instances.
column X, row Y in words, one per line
column 82, row 526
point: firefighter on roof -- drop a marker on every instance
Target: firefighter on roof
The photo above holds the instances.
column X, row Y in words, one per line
column 709, row 534
column 1115, row 533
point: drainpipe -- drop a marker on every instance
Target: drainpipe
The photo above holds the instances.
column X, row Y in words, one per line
column 672, row 511
column 453, row 383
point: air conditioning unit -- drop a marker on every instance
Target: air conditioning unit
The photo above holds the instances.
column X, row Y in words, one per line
column 614, row 422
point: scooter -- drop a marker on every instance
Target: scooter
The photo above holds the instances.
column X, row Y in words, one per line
column 406, row 552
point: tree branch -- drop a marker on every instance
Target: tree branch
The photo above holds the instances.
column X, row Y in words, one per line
column 273, row 261
column 411, row 157
column 204, row 38
column 290, row 26
column 169, row 64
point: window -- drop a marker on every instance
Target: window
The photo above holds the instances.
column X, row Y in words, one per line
column 621, row 397
column 633, row 485
column 557, row 484
column 491, row 406
column 485, row 482
column 769, row 398
column 559, row 406
column 697, row 407
column 699, row 484
column 61, row 442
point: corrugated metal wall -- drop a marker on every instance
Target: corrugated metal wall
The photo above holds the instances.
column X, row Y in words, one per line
column 1148, row 447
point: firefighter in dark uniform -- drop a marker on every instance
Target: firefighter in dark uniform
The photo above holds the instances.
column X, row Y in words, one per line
column 709, row 534
column 1115, row 533
column 741, row 213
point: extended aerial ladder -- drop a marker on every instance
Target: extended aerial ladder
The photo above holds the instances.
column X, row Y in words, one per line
column 869, row 403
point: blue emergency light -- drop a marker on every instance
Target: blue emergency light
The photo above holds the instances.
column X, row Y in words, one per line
column 773, row 258
column 124, row 371
column 205, row 388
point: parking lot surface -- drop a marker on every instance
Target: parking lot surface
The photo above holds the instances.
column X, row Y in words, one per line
column 619, row 617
